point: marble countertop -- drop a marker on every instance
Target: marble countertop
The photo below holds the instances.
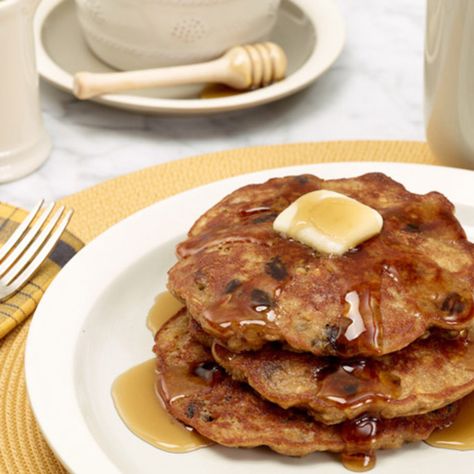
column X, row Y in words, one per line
column 374, row 91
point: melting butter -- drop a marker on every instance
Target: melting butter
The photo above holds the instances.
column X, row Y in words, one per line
column 329, row 222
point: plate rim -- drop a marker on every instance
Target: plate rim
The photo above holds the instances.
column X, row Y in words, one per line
column 48, row 314
column 51, row 72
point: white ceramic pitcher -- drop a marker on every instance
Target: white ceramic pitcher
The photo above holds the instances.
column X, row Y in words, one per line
column 449, row 80
column 24, row 144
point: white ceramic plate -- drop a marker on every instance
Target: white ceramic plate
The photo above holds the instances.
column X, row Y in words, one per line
column 310, row 31
column 90, row 327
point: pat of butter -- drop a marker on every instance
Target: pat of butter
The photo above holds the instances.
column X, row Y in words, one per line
column 329, row 222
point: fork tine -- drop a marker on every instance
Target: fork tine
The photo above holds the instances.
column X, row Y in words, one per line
column 31, row 251
column 20, row 230
column 25, row 241
column 42, row 255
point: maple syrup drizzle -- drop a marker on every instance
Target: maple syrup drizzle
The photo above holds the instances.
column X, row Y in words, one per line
column 254, row 210
column 135, row 395
column 357, row 325
column 363, row 331
column 460, row 435
column 143, row 413
column 194, row 245
column 165, row 306
column 359, row 436
column 243, row 306
column 356, row 382
column 358, row 462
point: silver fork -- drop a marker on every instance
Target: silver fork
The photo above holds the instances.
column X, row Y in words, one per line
column 28, row 247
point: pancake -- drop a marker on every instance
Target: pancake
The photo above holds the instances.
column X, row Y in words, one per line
column 198, row 393
column 247, row 285
column 425, row 376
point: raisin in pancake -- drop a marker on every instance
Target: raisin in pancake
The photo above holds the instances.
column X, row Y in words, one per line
column 247, row 285
column 199, row 394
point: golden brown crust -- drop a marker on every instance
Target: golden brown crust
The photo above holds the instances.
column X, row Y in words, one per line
column 247, row 285
column 232, row 414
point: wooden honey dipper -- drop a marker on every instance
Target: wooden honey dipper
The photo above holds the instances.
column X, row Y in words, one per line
column 242, row 67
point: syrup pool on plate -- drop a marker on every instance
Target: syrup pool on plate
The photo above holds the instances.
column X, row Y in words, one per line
column 136, row 400
column 165, row 307
column 460, row 435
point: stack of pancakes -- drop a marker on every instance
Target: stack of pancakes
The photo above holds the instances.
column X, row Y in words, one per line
column 282, row 346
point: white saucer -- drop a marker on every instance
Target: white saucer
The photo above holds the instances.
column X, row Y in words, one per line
column 310, row 31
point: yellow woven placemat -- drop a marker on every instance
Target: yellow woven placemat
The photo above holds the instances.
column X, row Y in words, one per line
column 22, row 449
